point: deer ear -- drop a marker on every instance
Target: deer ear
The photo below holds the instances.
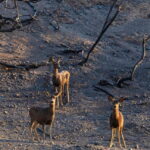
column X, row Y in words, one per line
column 59, row 59
column 121, row 99
column 51, row 59
column 110, row 98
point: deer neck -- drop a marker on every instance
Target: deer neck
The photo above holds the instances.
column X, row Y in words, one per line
column 116, row 113
column 52, row 109
column 55, row 72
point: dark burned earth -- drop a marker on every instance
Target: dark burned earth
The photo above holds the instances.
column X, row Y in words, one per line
column 82, row 124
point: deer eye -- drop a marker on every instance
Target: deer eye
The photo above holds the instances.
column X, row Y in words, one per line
column 114, row 106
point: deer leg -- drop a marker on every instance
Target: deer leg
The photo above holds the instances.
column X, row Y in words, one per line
column 61, row 103
column 112, row 137
column 67, row 88
column 57, row 99
column 57, row 102
column 119, row 133
column 115, row 133
column 31, row 130
column 63, row 92
column 35, row 130
column 60, row 90
column 43, row 133
column 124, row 143
column 50, row 132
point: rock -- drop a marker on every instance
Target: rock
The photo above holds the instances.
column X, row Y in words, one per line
column 17, row 94
column 5, row 112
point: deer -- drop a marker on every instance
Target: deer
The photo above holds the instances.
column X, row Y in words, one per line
column 43, row 116
column 116, row 121
column 60, row 80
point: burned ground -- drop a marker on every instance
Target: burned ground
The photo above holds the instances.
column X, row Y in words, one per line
column 84, row 122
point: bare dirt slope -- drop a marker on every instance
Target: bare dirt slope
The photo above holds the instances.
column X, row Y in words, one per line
column 82, row 124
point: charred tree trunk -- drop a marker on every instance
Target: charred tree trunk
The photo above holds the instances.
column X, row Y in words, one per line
column 106, row 25
column 121, row 81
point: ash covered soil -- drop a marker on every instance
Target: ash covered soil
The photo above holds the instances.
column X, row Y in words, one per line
column 83, row 124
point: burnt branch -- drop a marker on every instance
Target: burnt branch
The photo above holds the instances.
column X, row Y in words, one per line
column 106, row 25
column 121, row 81
column 10, row 24
column 145, row 39
column 104, row 83
column 104, row 91
column 26, row 67
column 75, row 52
